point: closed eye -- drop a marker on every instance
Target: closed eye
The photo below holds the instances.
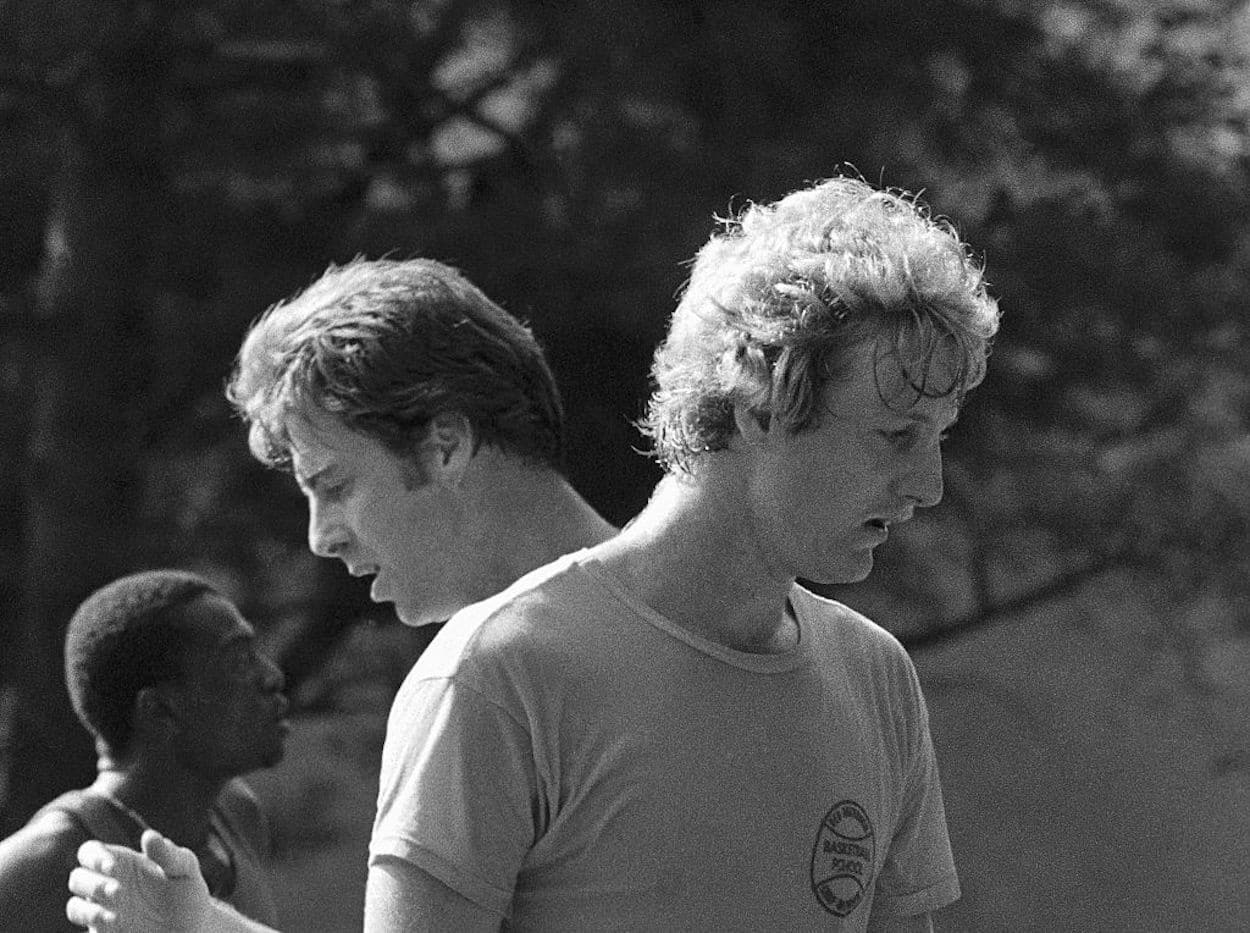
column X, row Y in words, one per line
column 905, row 436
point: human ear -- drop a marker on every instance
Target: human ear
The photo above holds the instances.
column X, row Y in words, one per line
column 156, row 712
column 752, row 425
column 448, row 446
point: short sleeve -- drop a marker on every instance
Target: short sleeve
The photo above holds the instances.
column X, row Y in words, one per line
column 458, row 790
column 919, row 870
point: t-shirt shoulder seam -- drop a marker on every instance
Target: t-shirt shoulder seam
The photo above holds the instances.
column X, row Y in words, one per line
column 474, row 691
column 846, row 614
column 480, row 615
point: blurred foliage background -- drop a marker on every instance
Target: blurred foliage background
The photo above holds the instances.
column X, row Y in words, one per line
column 169, row 169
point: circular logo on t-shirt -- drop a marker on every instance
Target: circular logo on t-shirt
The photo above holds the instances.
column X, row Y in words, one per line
column 843, row 858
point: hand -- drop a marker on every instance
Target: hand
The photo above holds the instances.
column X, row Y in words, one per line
column 117, row 889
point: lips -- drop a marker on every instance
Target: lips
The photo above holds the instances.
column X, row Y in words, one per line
column 884, row 524
column 878, row 527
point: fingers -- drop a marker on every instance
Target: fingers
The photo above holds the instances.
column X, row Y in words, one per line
column 173, row 859
column 89, row 914
column 92, row 885
column 97, row 857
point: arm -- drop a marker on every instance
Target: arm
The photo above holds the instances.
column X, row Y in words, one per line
column 159, row 891
column 401, row 897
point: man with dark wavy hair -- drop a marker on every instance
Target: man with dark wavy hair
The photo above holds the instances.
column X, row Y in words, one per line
column 665, row 731
column 164, row 673
column 424, row 427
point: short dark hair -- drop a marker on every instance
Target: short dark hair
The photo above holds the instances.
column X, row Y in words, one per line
column 127, row 635
column 386, row 346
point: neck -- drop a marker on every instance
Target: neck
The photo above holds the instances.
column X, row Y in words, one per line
column 533, row 516
column 692, row 556
column 167, row 798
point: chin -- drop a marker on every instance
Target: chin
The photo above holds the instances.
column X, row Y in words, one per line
column 851, row 571
column 859, row 576
column 417, row 617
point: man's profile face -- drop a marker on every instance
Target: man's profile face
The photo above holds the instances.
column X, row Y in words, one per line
column 229, row 699
column 368, row 507
column 824, row 498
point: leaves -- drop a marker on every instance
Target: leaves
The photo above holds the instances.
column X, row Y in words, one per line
column 570, row 156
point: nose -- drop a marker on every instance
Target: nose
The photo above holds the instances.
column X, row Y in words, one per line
column 327, row 535
column 923, row 481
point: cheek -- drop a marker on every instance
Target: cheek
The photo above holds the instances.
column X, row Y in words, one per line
column 859, row 485
column 232, row 703
column 374, row 524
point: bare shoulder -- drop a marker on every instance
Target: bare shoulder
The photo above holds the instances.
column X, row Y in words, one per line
column 35, row 863
column 52, row 839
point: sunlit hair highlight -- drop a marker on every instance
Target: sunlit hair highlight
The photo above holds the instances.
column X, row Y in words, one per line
column 780, row 297
column 387, row 345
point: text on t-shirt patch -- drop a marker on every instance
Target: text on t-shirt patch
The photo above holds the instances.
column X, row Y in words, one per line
column 843, row 858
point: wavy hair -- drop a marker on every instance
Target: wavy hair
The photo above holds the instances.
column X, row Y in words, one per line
column 387, row 345
column 781, row 295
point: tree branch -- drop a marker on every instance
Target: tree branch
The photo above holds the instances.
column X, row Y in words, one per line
column 1061, row 585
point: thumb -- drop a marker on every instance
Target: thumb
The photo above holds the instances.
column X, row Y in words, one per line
column 173, row 859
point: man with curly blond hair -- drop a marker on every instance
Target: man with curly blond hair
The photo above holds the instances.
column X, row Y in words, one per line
column 665, row 731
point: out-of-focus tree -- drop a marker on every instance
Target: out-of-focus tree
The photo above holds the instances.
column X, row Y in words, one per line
column 1102, row 164
column 85, row 85
column 172, row 168
column 189, row 155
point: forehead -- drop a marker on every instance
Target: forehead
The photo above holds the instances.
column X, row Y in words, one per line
column 318, row 439
column 877, row 385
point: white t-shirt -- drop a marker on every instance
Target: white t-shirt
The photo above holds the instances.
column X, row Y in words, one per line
column 565, row 755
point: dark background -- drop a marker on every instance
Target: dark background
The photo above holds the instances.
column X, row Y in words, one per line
column 168, row 170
